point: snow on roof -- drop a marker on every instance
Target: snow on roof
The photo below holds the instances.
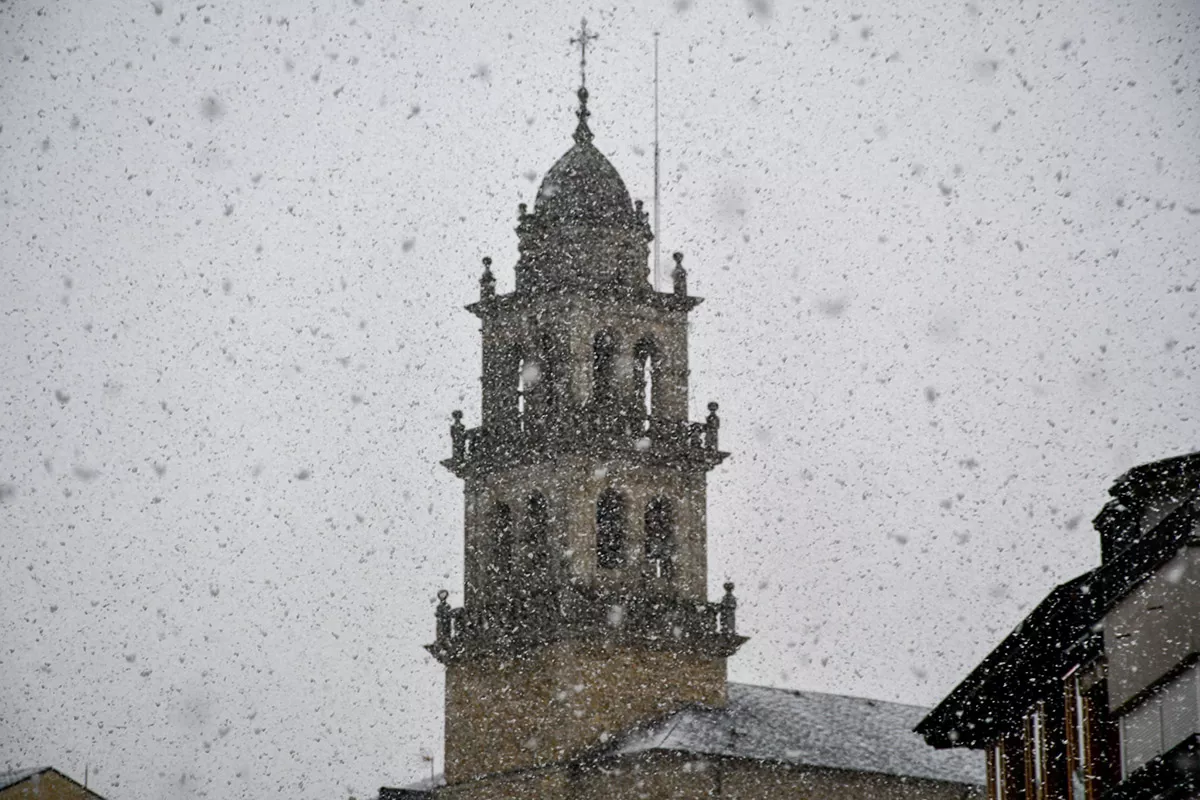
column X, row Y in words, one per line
column 809, row 729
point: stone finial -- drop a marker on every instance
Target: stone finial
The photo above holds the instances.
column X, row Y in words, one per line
column 524, row 223
column 643, row 219
column 679, row 276
column 442, row 617
column 728, row 611
column 583, row 134
column 712, row 424
column 458, row 438
column 487, row 283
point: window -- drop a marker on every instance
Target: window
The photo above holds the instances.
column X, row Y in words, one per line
column 660, row 538
column 1075, row 708
column 1036, row 782
column 645, row 356
column 503, row 374
column 1090, row 735
column 537, row 534
column 500, row 528
column 1161, row 721
column 604, row 361
column 529, row 373
column 1085, row 727
column 610, row 529
column 995, row 772
column 548, row 378
column 1012, row 765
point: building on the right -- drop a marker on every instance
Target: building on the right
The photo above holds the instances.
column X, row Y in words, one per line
column 1095, row 695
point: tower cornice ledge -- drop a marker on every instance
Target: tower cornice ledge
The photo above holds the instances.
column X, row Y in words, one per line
column 624, row 298
column 469, row 649
column 484, row 462
column 660, row 623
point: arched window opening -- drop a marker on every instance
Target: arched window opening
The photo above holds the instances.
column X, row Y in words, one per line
column 610, row 529
column 645, row 367
column 527, row 374
column 503, row 375
column 501, row 529
column 604, row 362
column 530, row 392
column 537, row 533
column 521, row 389
column 549, row 374
column 660, row 538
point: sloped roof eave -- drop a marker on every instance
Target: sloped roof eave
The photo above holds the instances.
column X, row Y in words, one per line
column 805, row 729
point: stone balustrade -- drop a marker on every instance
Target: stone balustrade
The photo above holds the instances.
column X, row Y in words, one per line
column 572, row 429
column 516, row 624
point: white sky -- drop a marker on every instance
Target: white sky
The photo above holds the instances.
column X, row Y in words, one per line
column 236, row 239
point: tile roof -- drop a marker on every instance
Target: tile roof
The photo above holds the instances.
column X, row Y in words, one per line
column 808, row 729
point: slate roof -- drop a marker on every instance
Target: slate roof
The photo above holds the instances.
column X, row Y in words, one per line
column 808, row 729
column 584, row 188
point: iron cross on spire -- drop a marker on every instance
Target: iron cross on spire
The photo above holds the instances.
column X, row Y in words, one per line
column 582, row 40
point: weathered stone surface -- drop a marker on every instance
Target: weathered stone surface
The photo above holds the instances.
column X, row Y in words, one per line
column 681, row 777
column 562, row 700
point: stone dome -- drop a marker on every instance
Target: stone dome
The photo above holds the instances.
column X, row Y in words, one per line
column 584, row 187
column 584, row 232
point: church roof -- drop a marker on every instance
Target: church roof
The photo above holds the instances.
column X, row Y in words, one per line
column 807, row 729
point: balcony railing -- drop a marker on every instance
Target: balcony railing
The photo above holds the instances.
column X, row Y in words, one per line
column 514, row 624
column 529, row 434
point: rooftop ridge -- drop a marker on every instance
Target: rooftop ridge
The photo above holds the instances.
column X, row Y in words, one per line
column 799, row 692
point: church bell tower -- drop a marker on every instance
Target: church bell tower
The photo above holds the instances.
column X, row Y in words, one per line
column 584, row 609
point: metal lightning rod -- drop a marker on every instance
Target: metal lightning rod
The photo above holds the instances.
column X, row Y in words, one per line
column 657, row 228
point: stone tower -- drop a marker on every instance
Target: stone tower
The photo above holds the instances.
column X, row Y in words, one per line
column 585, row 609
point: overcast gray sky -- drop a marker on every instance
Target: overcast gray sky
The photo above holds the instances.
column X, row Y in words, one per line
column 949, row 251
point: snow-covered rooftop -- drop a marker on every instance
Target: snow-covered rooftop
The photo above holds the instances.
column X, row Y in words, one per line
column 809, row 729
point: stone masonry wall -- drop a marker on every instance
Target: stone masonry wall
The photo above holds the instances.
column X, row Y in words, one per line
column 504, row 714
column 678, row 776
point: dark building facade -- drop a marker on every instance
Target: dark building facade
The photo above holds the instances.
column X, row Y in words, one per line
column 1096, row 694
